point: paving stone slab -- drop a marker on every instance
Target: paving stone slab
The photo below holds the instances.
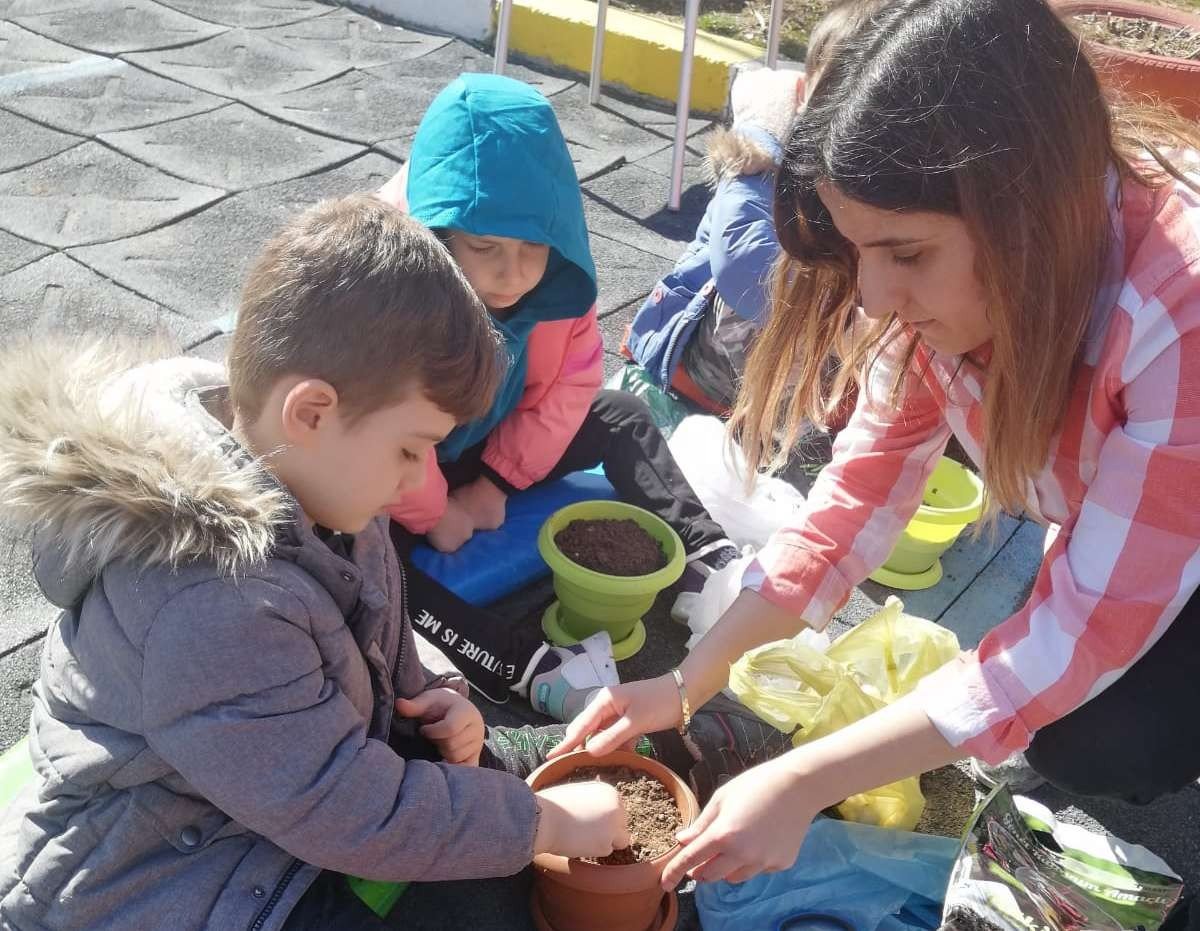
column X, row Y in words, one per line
column 197, row 266
column 91, row 194
column 57, row 295
column 238, row 63
column 614, row 323
column 23, row 51
column 351, row 40
column 232, row 147
column 457, row 57
column 26, row 142
column 111, row 26
column 16, row 252
column 693, row 159
column 24, row 613
column 625, row 273
column 1000, row 589
column 214, row 349
column 961, row 566
column 103, row 95
column 355, row 106
column 18, row 671
column 629, row 204
column 258, row 15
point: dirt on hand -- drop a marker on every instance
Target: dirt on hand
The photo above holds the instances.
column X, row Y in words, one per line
column 653, row 815
column 949, row 802
column 614, row 547
column 1140, row 35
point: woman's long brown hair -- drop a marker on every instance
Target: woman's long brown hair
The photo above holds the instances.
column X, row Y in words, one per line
column 982, row 109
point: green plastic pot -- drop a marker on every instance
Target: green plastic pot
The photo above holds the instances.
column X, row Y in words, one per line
column 589, row 602
column 953, row 499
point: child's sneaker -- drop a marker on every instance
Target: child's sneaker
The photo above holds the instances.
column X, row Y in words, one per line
column 701, row 565
column 565, row 679
column 725, row 739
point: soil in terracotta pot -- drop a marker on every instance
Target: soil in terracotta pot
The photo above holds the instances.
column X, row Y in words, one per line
column 1140, row 35
column 614, row 547
column 653, row 815
column 949, row 802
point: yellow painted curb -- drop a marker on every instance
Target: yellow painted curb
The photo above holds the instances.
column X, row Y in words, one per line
column 640, row 52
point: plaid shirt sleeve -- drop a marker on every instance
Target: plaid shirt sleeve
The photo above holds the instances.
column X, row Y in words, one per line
column 861, row 501
column 1122, row 569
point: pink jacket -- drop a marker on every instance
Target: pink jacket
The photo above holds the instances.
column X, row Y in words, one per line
column 563, row 373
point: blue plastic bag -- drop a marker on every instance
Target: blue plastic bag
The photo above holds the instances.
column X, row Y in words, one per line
column 862, row 877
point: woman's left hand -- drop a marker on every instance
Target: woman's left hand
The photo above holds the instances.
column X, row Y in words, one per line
column 753, row 824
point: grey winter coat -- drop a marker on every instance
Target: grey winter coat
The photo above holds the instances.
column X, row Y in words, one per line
column 210, row 725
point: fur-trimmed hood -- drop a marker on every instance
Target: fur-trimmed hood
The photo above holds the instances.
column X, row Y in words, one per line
column 108, row 454
column 735, row 152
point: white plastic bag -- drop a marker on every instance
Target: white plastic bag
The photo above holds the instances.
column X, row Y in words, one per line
column 716, row 471
column 701, row 611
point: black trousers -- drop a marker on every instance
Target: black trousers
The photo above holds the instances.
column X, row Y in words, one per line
column 619, row 434
column 1137, row 739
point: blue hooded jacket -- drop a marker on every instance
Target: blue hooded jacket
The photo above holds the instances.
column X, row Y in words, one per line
column 734, row 249
column 489, row 159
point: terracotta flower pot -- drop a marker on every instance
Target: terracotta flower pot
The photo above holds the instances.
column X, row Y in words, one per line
column 1175, row 81
column 570, row 895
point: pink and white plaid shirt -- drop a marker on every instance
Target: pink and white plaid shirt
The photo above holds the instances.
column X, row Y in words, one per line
column 1123, row 481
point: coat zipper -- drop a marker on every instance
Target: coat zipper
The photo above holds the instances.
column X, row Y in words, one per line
column 280, row 887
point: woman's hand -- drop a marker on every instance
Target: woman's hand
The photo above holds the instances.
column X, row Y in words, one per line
column 618, row 716
column 753, row 824
column 449, row 721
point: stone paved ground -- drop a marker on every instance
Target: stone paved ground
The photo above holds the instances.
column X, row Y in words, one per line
column 149, row 149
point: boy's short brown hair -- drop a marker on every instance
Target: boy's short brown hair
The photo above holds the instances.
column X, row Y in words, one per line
column 355, row 292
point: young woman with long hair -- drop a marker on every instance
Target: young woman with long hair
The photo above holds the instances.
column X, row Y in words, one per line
column 992, row 250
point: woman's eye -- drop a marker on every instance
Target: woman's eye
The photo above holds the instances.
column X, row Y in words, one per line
column 910, row 259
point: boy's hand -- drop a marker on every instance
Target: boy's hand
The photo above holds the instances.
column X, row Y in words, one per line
column 580, row 819
column 453, row 530
column 484, row 503
column 449, row 721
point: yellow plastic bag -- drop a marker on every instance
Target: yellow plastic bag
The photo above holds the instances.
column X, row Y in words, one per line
column 797, row 688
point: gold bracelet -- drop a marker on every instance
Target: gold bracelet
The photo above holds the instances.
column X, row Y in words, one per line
column 683, row 701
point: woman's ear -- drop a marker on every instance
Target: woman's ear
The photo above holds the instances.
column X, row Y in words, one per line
column 308, row 408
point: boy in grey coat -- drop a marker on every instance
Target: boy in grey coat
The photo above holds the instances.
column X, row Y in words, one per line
column 211, row 725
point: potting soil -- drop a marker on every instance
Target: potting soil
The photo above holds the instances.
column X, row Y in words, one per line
column 949, row 802
column 653, row 815
column 1140, row 35
column 614, row 547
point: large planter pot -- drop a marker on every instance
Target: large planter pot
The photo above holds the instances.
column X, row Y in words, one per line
column 589, row 602
column 953, row 498
column 1175, row 81
column 570, row 895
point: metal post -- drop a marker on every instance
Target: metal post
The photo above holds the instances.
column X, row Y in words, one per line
column 596, row 82
column 502, row 37
column 773, row 31
column 683, row 107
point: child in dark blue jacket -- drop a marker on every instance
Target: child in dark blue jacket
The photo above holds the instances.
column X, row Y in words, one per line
column 695, row 329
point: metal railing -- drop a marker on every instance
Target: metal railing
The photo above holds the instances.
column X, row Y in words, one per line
column 683, row 105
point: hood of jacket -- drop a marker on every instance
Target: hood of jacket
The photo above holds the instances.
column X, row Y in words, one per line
column 489, row 158
column 106, row 454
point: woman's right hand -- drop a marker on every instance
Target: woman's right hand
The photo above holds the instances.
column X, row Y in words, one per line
column 618, row 716
column 580, row 819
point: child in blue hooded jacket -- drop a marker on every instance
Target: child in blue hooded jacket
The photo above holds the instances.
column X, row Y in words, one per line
column 694, row 332
column 490, row 172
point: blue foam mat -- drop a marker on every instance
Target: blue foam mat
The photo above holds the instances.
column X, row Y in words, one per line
column 495, row 563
